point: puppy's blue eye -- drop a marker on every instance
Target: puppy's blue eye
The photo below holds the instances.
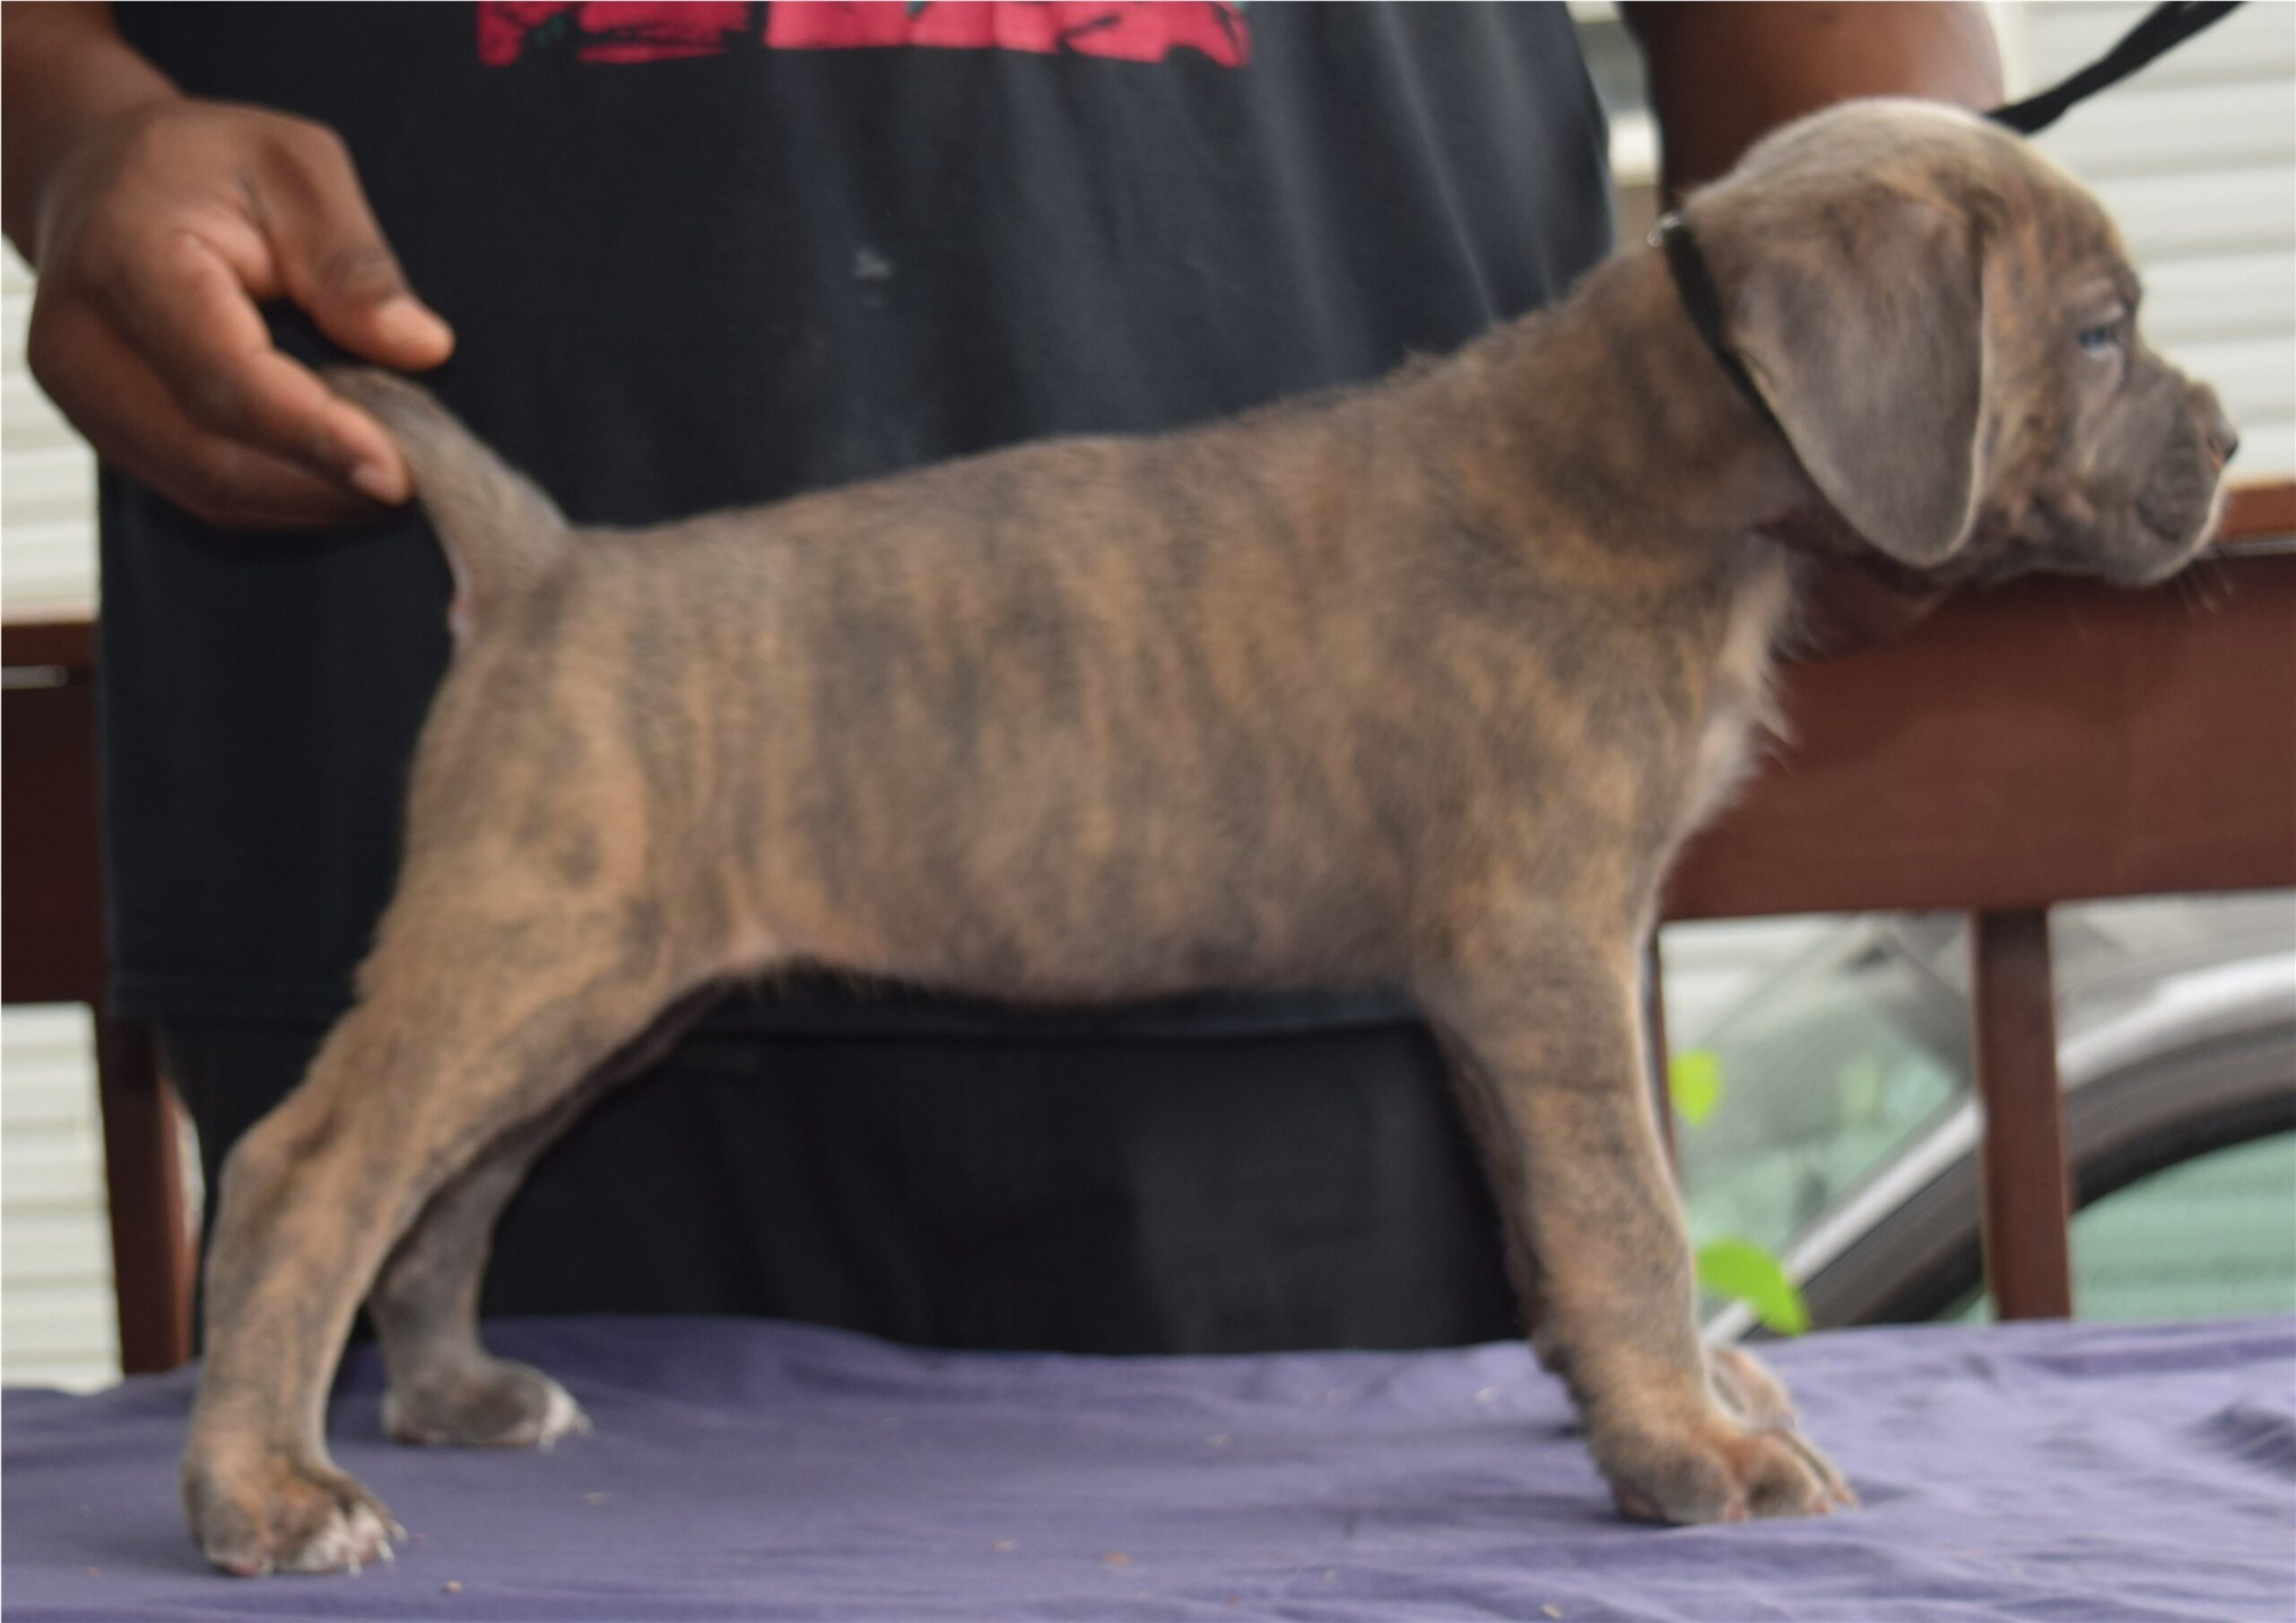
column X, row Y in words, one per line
column 2099, row 341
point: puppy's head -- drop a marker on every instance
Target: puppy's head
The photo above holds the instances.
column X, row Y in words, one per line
column 1944, row 324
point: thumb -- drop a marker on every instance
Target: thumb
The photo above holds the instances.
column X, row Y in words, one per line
column 333, row 261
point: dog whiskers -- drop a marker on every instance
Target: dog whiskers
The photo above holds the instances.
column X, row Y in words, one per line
column 2205, row 585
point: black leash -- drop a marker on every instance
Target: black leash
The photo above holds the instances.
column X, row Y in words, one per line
column 2163, row 29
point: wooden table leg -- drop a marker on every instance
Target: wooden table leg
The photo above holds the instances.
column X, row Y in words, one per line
column 152, row 1247
column 2028, row 1191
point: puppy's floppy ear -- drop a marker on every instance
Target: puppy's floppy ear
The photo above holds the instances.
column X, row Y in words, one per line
column 1864, row 329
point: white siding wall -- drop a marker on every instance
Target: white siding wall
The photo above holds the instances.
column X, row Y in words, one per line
column 48, row 497
column 2197, row 157
column 56, row 1326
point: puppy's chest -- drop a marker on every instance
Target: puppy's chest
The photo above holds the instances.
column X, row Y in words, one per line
column 1740, row 700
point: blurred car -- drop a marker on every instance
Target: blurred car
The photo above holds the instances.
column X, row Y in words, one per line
column 1845, row 1137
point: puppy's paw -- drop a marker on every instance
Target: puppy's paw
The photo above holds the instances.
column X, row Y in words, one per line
column 1748, row 1391
column 1717, row 1468
column 492, row 1404
column 277, row 1514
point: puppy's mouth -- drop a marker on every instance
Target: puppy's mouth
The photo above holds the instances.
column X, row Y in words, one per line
column 2127, row 543
column 2182, row 519
column 2164, row 537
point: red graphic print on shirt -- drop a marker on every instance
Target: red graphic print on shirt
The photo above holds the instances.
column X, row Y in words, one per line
column 513, row 31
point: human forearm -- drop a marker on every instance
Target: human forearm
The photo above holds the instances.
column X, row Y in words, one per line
column 63, row 67
column 1722, row 74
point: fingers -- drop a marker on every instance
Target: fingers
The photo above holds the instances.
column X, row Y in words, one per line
column 333, row 261
column 104, row 386
column 192, row 321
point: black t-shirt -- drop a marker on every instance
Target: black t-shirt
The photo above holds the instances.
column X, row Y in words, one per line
column 700, row 256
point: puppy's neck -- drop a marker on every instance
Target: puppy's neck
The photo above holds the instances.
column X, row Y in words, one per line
column 1623, row 426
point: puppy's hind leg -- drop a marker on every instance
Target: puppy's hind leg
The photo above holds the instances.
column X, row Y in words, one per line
column 488, row 998
column 443, row 1385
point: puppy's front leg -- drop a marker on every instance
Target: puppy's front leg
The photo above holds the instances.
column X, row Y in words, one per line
column 1565, row 1122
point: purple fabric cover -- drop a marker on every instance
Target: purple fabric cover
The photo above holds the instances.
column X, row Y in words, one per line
column 2090, row 1473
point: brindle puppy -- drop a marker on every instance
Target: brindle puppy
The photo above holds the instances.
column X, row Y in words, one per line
column 1419, row 685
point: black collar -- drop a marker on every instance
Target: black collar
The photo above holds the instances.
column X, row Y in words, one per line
column 1694, row 285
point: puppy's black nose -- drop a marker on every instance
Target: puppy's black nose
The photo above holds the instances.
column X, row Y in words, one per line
column 2223, row 438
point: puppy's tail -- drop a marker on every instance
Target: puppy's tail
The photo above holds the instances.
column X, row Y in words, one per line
column 503, row 535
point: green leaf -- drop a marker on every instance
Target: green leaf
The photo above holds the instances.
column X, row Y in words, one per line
column 1744, row 1272
column 1694, row 1077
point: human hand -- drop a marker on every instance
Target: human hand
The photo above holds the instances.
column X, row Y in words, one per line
column 159, row 229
